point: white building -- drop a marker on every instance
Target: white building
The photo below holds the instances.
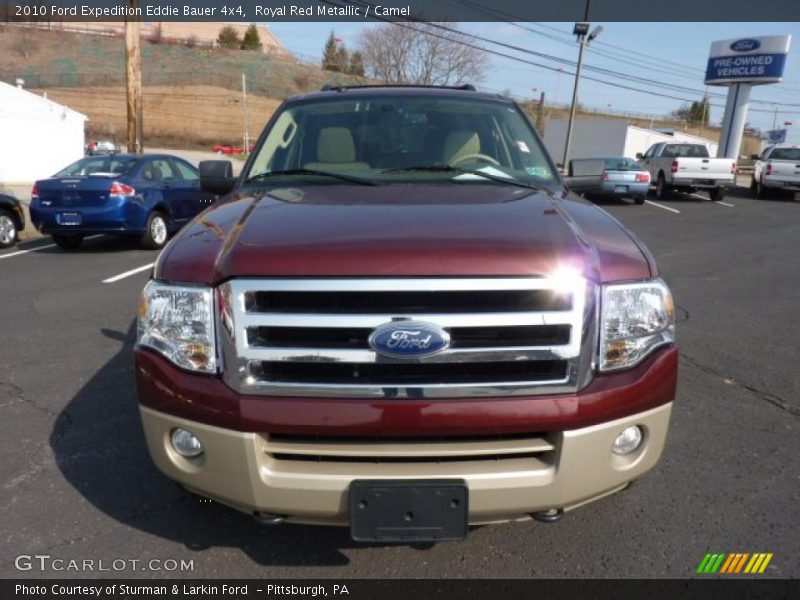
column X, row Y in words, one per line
column 593, row 138
column 38, row 137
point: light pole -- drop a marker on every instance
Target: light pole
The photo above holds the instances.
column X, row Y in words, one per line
column 581, row 30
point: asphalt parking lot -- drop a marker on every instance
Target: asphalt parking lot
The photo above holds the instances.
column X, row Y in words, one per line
column 77, row 482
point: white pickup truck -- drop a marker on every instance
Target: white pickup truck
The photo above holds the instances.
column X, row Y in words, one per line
column 777, row 170
column 687, row 167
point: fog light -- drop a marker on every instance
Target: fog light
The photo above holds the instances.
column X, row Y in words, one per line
column 628, row 441
column 186, row 443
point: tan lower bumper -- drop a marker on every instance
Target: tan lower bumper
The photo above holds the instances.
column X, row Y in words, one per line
column 242, row 470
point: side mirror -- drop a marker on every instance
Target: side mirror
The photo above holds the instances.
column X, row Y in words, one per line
column 216, row 176
column 639, row 155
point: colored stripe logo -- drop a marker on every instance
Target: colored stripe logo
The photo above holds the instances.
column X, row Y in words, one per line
column 732, row 563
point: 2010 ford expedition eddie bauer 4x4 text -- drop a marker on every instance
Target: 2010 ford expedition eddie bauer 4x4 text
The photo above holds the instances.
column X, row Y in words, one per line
column 400, row 320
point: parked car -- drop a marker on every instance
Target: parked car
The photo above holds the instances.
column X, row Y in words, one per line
column 400, row 320
column 687, row 168
column 609, row 176
column 12, row 220
column 230, row 149
column 147, row 196
column 99, row 147
column 776, row 170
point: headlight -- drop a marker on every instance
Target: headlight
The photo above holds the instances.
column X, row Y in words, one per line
column 178, row 322
column 635, row 319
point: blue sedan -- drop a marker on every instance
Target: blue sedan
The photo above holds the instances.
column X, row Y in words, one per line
column 148, row 196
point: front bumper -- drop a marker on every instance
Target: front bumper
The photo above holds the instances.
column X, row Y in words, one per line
column 271, row 455
column 243, row 470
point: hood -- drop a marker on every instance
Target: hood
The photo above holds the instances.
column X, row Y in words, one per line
column 401, row 230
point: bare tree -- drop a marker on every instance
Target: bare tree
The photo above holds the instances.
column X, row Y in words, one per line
column 26, row 44
column 423, row 54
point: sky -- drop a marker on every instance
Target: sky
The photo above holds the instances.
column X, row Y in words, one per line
column 669, row 53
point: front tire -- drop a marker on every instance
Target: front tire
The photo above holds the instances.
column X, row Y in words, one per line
column 68, row 242
column 8, row 230
column 156, row 231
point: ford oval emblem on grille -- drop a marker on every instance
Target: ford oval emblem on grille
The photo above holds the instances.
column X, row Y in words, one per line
column 409, row 339
column 746, row 45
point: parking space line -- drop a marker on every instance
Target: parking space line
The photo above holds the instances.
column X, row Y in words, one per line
column 651, row 203
column 26, row 251
column 720, row 202
column 18, row 252
column 128, row 273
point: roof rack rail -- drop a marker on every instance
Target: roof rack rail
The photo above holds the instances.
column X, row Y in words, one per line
column 335, row 87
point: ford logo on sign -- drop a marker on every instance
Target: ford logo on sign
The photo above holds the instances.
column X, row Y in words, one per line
column 745, row 45
column 409, row 339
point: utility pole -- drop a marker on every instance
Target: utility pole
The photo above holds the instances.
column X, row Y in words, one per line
column 540, row 115
column 775, row 118
column 246, row 115
column 581, row 30
column 133, row 81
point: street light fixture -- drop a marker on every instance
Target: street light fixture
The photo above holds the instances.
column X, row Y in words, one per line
column 581, row 30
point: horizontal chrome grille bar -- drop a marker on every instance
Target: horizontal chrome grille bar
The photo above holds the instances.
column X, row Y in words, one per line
column 372, row 321
column 401, row 284
column 467, row 355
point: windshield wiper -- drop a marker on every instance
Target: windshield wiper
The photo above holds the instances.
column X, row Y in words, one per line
column 442, row 168
column 349, row 178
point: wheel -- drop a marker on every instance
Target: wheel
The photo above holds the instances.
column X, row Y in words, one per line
column 639, row 199
column 71, row 241
column 155, row 234
column 717, row 194
column 753, row 183
column 662, row 189
column 761, row 191
column 8, row 230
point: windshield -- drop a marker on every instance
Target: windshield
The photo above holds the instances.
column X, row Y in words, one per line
column 786, row 154
column 122, row 165
column 404, row 139
column 685, row 151
column 621, row 164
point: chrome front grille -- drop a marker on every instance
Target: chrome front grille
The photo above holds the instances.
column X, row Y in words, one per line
column 309, row 337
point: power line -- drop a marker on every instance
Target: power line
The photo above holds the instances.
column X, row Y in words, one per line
column 613, row 55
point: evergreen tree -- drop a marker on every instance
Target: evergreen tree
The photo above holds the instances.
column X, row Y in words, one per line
column 356, row 66
column 228, row 38
column 251, row 40
column 329, row 54
column 342, row 59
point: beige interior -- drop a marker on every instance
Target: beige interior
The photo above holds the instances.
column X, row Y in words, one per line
column 460, row 143
column 336, row 150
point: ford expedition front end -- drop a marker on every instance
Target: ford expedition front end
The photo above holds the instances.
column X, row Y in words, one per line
column 399, row 320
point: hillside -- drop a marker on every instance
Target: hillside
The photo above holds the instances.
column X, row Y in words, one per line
column 192, row 95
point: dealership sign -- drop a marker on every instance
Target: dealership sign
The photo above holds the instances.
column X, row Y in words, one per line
column 751, row 60
column 776, row 136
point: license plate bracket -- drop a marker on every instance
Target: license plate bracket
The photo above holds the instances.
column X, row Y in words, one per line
column 432, row 510
column 621, row 189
